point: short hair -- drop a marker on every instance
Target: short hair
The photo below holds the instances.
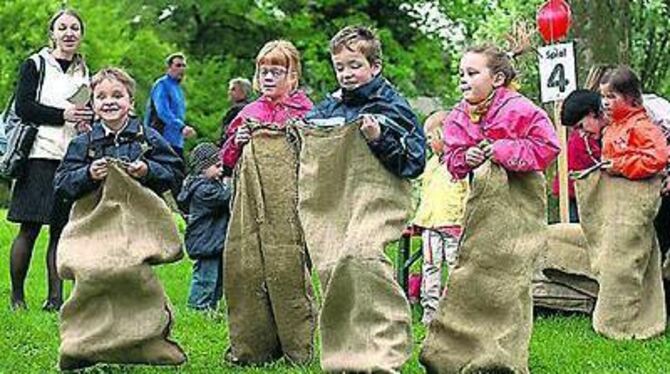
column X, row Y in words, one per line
column 243, row 83
column 358, row 39
column 114, row 74
column 173, row 56
column 278, row 52
column 624, row 81
column 578, row 105
column 497, row 60
column 62, row 12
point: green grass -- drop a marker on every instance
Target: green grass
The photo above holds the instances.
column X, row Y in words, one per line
column 29, row 339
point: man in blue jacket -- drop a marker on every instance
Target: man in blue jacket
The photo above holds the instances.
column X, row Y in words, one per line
column 166, row 107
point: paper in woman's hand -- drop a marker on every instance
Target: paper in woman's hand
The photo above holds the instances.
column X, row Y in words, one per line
column 81, row 97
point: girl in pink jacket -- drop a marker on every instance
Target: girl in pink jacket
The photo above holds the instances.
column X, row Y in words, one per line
column 503, row 221
column 494, row 121
column 266, row 277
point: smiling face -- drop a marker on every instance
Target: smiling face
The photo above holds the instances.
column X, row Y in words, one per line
column 112, row 103
column 477, row 80
column 352, row 69
column 66, row 32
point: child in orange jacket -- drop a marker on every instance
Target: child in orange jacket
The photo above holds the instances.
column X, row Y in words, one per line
column 635, row 147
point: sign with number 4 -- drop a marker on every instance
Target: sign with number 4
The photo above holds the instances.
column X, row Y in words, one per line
column 557, row 71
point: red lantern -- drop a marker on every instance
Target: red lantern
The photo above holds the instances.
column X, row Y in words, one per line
column 553, row 20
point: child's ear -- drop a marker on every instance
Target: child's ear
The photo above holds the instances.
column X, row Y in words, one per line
column 293, row 79
column 376, row 67
column 498, row 79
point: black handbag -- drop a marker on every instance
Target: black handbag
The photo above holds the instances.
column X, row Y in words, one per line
column 20, row 135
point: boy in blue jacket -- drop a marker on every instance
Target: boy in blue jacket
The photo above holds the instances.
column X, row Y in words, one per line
column 206, row 197
column 392, row 134
column 146, row 156
column 388, row 123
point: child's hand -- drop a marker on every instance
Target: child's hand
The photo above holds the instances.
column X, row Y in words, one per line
column 487, row 148
column 474, row 157
column 242, row 136
column 83, row 126
column 98, row 169
column 370, row 128
column 188, row 132
column 138, row 169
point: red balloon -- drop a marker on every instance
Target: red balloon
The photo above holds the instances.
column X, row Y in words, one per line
column 553, row 20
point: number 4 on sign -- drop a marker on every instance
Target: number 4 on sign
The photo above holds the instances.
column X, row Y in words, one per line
column 557, row 71
column 557, row 78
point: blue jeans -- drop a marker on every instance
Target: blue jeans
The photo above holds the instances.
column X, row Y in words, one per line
column 206, row 284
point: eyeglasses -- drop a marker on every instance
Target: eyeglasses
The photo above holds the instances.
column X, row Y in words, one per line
column 180, row 65
column 273, row 72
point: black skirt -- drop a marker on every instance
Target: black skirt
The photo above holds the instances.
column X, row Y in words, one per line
column 33, row 199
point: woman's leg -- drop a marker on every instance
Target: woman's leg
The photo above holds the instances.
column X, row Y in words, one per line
column 21, row 252
column 55, row 285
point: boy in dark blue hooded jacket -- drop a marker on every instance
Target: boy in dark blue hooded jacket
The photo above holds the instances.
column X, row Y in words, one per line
column 206, row 198
column 388, row 123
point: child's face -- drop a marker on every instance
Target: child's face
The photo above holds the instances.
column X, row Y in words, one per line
column 477, row 80
column 612, row 100
column 275, row 81
column 353, row 70
column 213, row 172
column 592, row 124
column 112, row 103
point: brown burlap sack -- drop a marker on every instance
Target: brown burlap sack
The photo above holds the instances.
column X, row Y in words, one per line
column 563, row 279
column 617, row 216
column 351, row 207
column 118, row 311
column 485, row 321
column 267, row 282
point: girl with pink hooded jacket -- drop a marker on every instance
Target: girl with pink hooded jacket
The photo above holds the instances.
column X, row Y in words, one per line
column 266, row 277
column 489, row 305
column 494, row 121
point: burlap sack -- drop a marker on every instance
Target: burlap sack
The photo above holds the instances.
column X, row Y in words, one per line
column 118, row 311
column 351, row 207
column 563, row 279
column 267, row 282
column 485, row 321
column 617, row 217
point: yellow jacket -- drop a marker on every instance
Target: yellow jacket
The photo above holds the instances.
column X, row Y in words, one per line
column 442, row 197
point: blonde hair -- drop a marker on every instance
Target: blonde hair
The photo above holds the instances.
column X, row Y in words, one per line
column 282, row 53
column 115, row 74
column 358, row 39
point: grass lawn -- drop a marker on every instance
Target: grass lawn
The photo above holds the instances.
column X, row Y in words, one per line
column 29, row 339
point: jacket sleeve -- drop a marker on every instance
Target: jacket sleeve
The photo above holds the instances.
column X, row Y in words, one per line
column 161, row 98
column 401, row 148
column 72, row 180
column 166, row 169
column 212, row 196
column 27, row 108
column 455, row 146
column 231, row 152
column 534, row 148
column 401, row 151
column 646, row 154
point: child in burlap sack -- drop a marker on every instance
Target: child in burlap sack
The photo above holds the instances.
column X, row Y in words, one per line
column 118, row 311
column 365, row 319
column 440, row 214
column 503, row 142
column 618, row 209
column 267, row 282
column 205, row 196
